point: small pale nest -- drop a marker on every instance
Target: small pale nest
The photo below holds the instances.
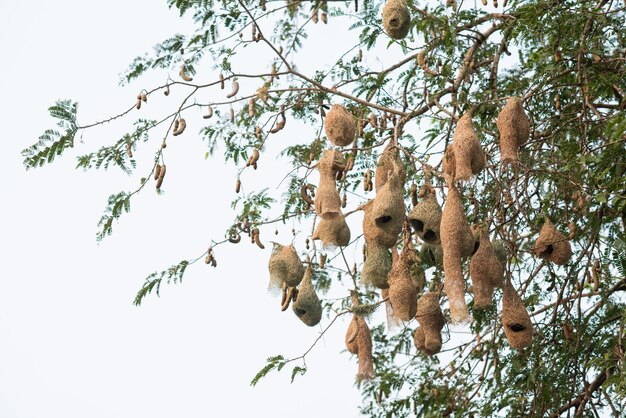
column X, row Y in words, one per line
column 514, row 128
column 396, row 19
column 333, row 231
column 515, row 319
column 402, row 292
column 307, row 305
column 376, row 266
column 285, row 267
column 339, row 125
column 431, row 322
column 486, row 272
column 552, row 245
column 468, row 153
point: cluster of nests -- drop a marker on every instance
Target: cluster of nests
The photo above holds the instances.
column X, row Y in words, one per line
column 446, row 236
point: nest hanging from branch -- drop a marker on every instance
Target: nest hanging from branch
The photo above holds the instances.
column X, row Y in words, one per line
column 396, row 19
column 376, row 266
column 469, row 157
column 389, row 162
column 427, row 337
column 388, row 209
column 431, row 254
column 359, row 342
column 339, row 125
column 486, row 271
column 307, row 305
column 327, row 200
column 457, row 242
column 333, row 232
column 402, row 292
column 425, row 217
column 552, row 245
column 514, row 128
column 515, row 319
column 285, row 267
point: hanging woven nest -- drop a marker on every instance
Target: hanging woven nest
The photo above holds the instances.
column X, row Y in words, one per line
column 431, row 254
column 339, row 125
column 333, row 232
column 448, row 164
column 388, row 210
column 431, row 322
column 469, row 155
column 501, row 250
column 359, row 342
column 457, row 242
column 515, row 319
column 514, row 128
column 425, row 217
column 386, row 237
column 552, row 245
column 285, row 267
column 396, row 19
column 376, row 266
column 486, row 272
column 327, row 200
column 389, row 162
column 402, row 292
column 307, row 305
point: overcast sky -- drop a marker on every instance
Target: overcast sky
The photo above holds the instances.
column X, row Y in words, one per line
column 72, row 345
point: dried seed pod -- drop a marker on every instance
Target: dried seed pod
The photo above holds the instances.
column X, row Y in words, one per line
column 255, row 233
column 324, row 17
column 402, row 292
column 552, row 245
column 159, row 182
column 514, row 128
column 307, row 305
column 305, row 195
column 359, row 342
column 388, row 210
column 425, row 218
column 129, row 150
column 388, row 163
column 209, row 113
column 138, row 104
column 468, row 154
column 457, row 242
column 238, row 186
column 571, row 226
column 360, row 55
column 257, row 132
column 322, row 260
column 339, row 126
column 327, row 201
column 181, row 127
column 515, row 319
column 222, row 81
column 234, row 238
column 486, row 272
column 235, row 90
column 376, row 266
column 431, row 322
column 232, row 115
column 254, row 157
column 285, row 267
column 396, row 19
column 157, row 171
column 315, row 15
column 143, row 96
column 421, row 62
column 251, row 107
column 183, row 73
column 167, row 90
column 333, row 231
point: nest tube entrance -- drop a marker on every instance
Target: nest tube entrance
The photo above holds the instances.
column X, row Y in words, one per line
column 396, row 19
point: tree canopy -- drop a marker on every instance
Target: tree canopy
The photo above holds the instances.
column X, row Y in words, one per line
column 511, row 115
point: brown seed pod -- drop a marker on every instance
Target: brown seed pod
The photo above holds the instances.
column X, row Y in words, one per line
column 402, row 292
column 138, row 104
column 515, row 319
column 234, row 238
column 423, row 64
column 396, row 19
column 258, row 132
column 157, row 171
column 359, row 342
column 425, row 218
column 514, row 128
column 552, row 245
column 571, row 226
column 457, row 242
column 376, row 266
column 360, row 55
column 388, row 210
column 468, row 154
column 304, row 193
column 159, row 182
column 324, row 17
column 568, row 329
column 256, row 238
column 486, row 272
column 307, row 305
column 327, row 201
column 333, row 231
column 143, row 96
column 389, row 162
column 251, row 107
column 431, row 322
column 315, row 15
column 222, row 81
column 235, row 90
column 413, row 193
column 167, row 90
column 181, row 127
column 232, row 115
column 254, row 157
column 373, row 120
column 344, row 200
column 238, row 186
column 322, row 260
column 285, row 267
column 209, row 113
column 339, row 126
column 129, row 150
column 183, row 74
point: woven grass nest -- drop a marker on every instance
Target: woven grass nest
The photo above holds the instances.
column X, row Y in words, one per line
column 359, row 342
column 515, row 319
column 307, row 305
column 486, row 271
column 514, row 128
column 388, row 162
column 431, row 254
column 327, row 200
column 427, row 337
column 376, row 266
column 388, row 210
column 425, row 218
column 465, row 156
column 457, row 242
column 285, row 267
column 339, row 125
column 333, row 231
column 552, row 245
column 402, row 292
column 396, row 19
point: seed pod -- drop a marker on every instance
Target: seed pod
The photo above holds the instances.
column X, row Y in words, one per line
column 183, row 73
column 209, row 113
column 157, row 171
column 515, row 319
column 373, row 120
column 251, row 107
column 257, row 132
column 484, row 2
column 304, row 193
column 557, row 102
column 322, row 260
column 181, row 127
column 262, row 4
column 161, row 177
column 421, row 62
column 221, row 81
column 235, row 90
column 138, row 104
column 595, row 271
column 167, row 90
column 360, row 55
column 307, row 305
column 129, row 150
column 256, row 238
column 344, row 200
column 514, row 128
column 339, row 126
column 234, row 238
column 237, row 186
column 396, row 19
column 324, row 17
column 253, row 32
column 572, row 230
column 315, row 15
column 254, row 157
column 413, row 193
column 143, row 96
column 567, row 330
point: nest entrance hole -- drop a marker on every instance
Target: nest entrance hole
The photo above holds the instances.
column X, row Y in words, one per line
column 516, row 327
column 548, row 251
column 381, row 220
